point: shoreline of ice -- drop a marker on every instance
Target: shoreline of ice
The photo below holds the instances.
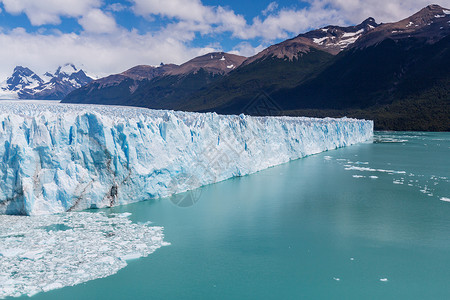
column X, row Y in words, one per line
column 60, row 157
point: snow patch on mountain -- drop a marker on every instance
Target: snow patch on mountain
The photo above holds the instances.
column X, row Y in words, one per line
column 320, row 41
column 352, row 34
column 67, row 69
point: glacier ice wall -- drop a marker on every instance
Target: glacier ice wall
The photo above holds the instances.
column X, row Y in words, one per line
column 57, row 158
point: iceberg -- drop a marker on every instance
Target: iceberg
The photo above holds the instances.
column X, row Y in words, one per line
column 64, row 157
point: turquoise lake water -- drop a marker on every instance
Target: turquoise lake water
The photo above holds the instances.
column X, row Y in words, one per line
column 369, row 221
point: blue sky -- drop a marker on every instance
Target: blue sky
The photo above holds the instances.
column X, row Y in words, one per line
column 109, row 36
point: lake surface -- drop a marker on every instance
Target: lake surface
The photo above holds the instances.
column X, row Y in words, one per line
column 369, row 221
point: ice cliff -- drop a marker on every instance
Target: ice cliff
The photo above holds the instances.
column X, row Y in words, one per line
column 56, row 158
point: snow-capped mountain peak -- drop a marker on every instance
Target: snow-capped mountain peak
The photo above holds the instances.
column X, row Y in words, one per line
column 67, row 69
column 25, row 84
column 21, row 78
column 331, row 39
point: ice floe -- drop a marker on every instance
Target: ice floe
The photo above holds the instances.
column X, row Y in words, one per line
column 42, row 253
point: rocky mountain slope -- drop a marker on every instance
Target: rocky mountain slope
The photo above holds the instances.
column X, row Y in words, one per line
column 429, row 25
column 158, row 86
column 284, row 65
column 25, row 84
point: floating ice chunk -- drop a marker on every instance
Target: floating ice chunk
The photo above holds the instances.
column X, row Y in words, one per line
column 367, row 169
column 34, row 259
column 131, row 256
column 364, row 169
column 384, row 139
column 11, row 252
column 358, row 176
column 52, row 286
column 124, row 215
column 425, row 190
column 445, row 199
column 337, row 278
column 383, row 279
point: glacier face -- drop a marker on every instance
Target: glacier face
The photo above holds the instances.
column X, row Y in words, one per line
column 58, row 158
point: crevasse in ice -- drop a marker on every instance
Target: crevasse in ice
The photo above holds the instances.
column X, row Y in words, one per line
column 57, row 158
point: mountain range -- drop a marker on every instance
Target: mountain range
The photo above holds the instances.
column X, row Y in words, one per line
column 157, row 86
column 26, row 84
column 397, row 74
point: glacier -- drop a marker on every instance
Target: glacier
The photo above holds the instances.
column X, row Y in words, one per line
column 65, row 157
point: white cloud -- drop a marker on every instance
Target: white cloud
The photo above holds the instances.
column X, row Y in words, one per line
column 382, row 10
column 270, row 8
column 246, row 49
column 100, row 54
column 192, row 10
column 116, row 7
column 286, row 23
column 193, row 15
column 41, row 12
column 96, row 21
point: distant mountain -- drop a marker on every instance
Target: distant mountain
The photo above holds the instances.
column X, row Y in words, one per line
column 429, row 25
column 218, row 63
column 284, row 65
column 25, row 84
column 169, row 86
column 330, row 39
column 159, row 86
